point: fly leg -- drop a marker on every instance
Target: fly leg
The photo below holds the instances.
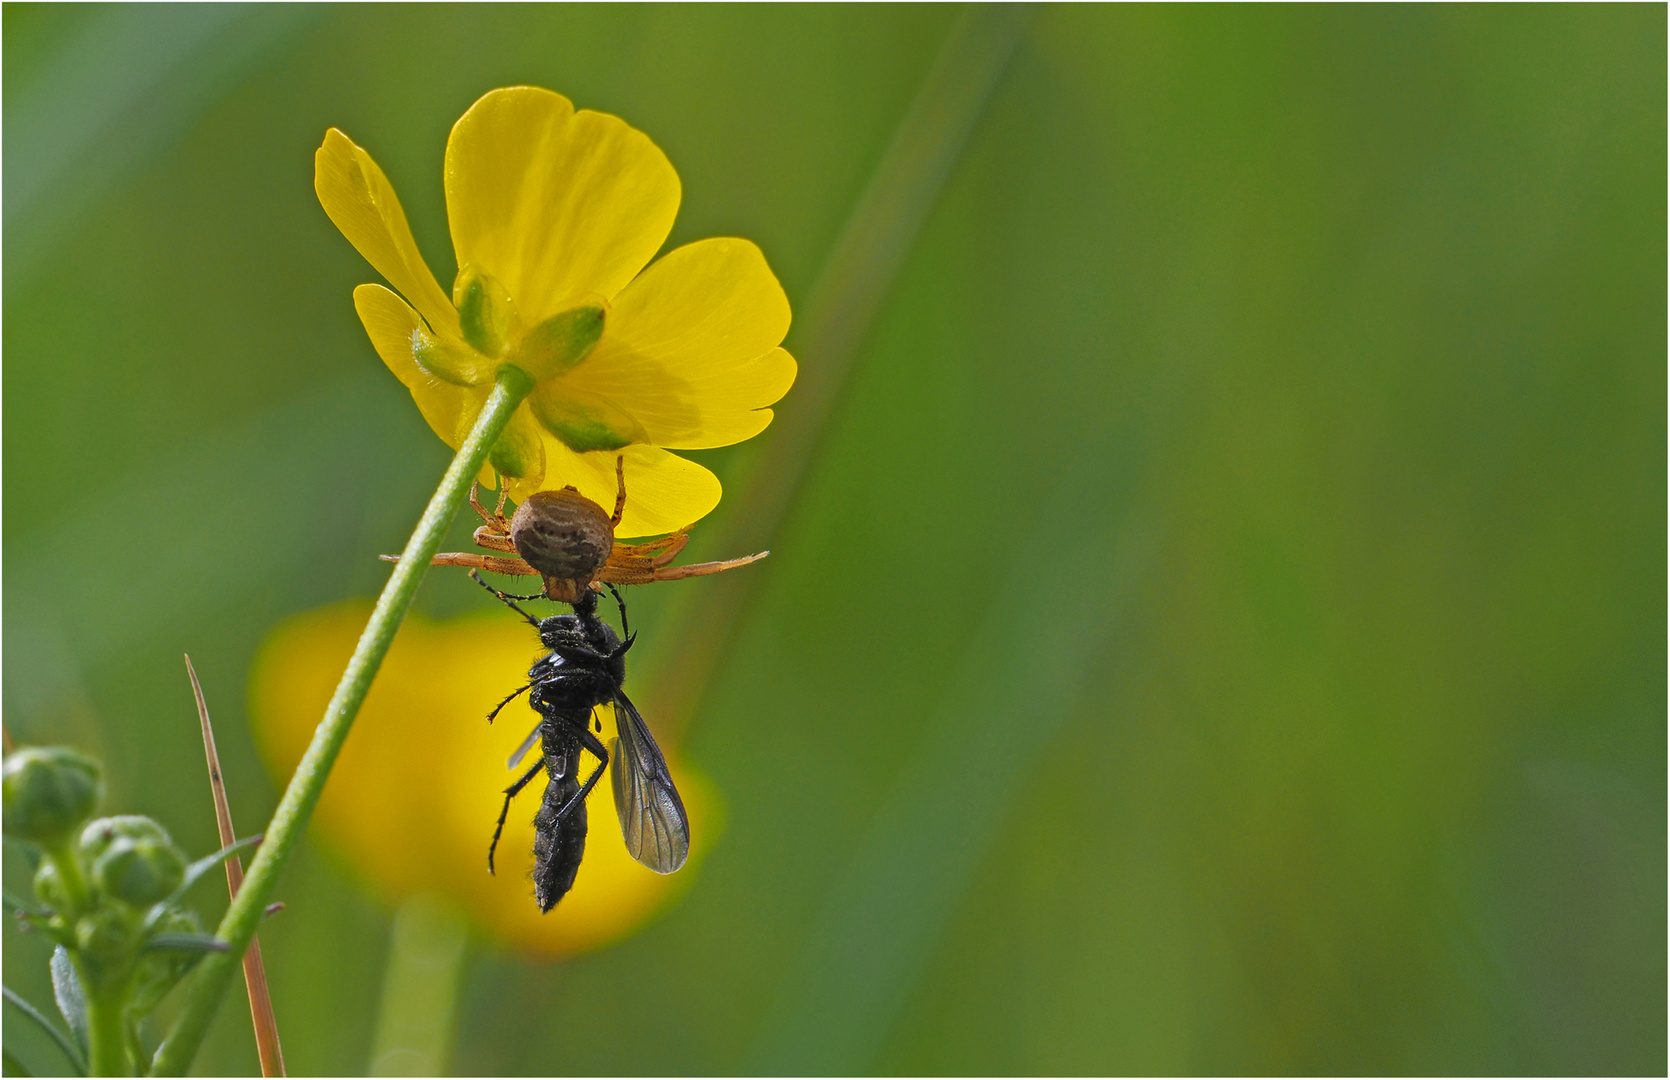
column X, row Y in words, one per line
column 494, row 714
column 592, row 743
column 510, row 793
column 625, row 633
column 507, row 599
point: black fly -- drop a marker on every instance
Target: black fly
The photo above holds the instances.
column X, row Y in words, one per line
column 585, row 668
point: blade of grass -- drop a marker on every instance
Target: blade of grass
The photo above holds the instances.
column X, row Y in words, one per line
column 255, row 972
column 890, row 905
column 832, row 327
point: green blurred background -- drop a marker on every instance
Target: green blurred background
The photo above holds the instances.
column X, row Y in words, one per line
column 1221, row 626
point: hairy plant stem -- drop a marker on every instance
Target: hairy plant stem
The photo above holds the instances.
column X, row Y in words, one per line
column 214, row 974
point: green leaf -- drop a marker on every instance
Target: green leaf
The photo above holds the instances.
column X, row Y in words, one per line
column 197, row 943
column 14, row 906
column 58, row 1037
column 194, row 874
column 66, row 991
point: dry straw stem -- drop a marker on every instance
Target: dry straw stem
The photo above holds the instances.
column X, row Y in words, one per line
column 255, row 973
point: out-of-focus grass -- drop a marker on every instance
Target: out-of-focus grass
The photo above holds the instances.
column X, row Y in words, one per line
column 1345, row 326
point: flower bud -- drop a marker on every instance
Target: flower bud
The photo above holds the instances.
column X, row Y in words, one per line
column 105, row 935
column 49, row 887
column 107, row 941
column 102, row 832
column 48, row 792
column 139, row 870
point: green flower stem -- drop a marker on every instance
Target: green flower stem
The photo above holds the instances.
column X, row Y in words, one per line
column 69, row 873
column 107, row 1042
column 290, row 819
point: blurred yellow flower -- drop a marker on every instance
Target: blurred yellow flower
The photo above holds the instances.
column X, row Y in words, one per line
column 411, row 803
column 553, row 215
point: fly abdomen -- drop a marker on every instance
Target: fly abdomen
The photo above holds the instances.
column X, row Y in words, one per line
column 558, row 845
column 559, row 842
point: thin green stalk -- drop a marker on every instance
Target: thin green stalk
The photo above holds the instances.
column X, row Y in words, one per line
column 69, row 873
column 209, row 985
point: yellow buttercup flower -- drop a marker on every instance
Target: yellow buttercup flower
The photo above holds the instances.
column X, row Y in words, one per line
column 554, row 215
column 411, row 803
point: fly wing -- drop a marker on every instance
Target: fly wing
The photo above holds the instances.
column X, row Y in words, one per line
column 652, row 820
column 527, row 744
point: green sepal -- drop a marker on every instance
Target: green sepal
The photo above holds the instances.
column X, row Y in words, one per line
column 486, row 313
column 519, row 452
column 584, row 421
column 559, row 343
column 451, row 361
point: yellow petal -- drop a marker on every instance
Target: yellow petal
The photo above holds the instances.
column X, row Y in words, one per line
column 552, row 202
column 664, row 492
column 690, row 348
column 361, row 202
column 395, row 331
column 411, row 803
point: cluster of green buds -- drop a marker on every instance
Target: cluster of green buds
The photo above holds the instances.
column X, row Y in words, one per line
column 109, row 893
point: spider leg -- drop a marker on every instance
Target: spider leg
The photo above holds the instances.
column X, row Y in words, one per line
column 490, row 536
column 498, row 564
column 620, row 490
column 638, row 575
column 510, row 793
column 675, row 545
column 507, row 600
column 475, row 504
column 648, row 547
